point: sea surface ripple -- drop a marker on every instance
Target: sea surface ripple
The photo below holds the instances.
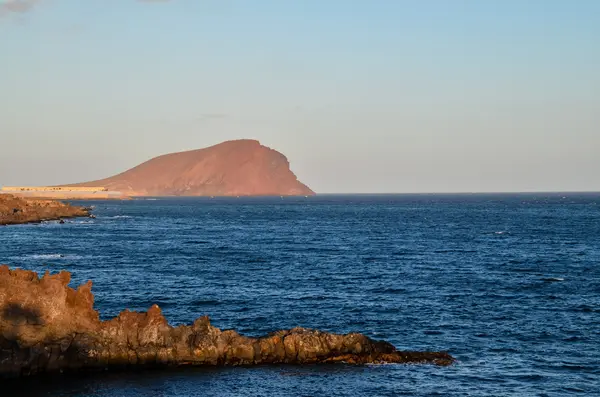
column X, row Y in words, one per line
column 509, row 284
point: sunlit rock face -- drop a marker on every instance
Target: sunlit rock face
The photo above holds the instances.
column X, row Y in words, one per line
column 46, row 326
column 16, row 210
column 232, row 168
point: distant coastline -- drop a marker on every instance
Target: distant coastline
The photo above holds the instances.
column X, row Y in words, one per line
column 16, row 210
column 63, row 193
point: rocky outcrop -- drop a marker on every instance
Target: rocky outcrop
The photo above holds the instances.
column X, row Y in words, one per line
column 16, row 210
column 233, row 168
column 45, row 327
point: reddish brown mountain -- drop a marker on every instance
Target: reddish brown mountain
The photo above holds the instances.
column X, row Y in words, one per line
column 233, row 168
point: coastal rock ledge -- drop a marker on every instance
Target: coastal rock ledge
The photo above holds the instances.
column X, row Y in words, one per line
column 46, row 326
column 16, row 210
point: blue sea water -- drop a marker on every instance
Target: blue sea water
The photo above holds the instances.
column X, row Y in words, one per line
column 508, row 284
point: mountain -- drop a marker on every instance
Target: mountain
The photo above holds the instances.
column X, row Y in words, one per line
column 232, row 168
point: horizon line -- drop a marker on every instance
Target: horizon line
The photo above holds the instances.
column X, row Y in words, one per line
column 462, row 192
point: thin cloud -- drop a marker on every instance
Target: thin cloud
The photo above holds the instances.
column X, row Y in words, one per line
column 23, row 6
column 19, row 6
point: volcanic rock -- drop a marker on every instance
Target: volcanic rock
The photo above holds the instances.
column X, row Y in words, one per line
column 232, row 168
column 46, row 326
column 15, row 210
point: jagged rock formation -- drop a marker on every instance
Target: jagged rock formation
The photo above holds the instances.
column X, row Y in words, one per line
column 233, row 168
column 15, row 210
column 45, row 326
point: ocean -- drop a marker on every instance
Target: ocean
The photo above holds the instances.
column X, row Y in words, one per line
column 509, row 284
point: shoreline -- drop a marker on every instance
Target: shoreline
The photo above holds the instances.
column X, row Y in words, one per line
column 66, row 195
column 47, row 327
column 16, row 210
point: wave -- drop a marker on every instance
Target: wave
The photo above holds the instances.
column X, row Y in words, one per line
column 387, row 290
column 586, row 309
column 48, row 256
column 205, row 302
column 552, row 279
column 451, row 250
column 45, row 256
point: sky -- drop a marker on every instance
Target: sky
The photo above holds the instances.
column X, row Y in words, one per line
column 374, row 96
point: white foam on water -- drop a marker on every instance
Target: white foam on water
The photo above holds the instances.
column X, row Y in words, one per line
column 45, row 256
column 48, row 256
column 553, row 279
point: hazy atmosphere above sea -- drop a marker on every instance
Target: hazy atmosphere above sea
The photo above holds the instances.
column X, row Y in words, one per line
column 372, row 96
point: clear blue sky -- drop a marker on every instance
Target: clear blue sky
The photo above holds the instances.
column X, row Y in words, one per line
column 362, row 96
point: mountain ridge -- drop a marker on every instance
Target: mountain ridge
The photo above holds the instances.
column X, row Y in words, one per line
column 242, row 167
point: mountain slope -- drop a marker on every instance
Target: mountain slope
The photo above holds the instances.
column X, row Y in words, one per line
column 232, row 168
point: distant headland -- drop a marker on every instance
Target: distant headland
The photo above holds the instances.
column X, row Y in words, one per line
column 16, row 210
column 232, row 168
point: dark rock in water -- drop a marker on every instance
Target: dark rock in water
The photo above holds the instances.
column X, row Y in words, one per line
column 62, row 222
column 46, row 326
column 16, row 210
